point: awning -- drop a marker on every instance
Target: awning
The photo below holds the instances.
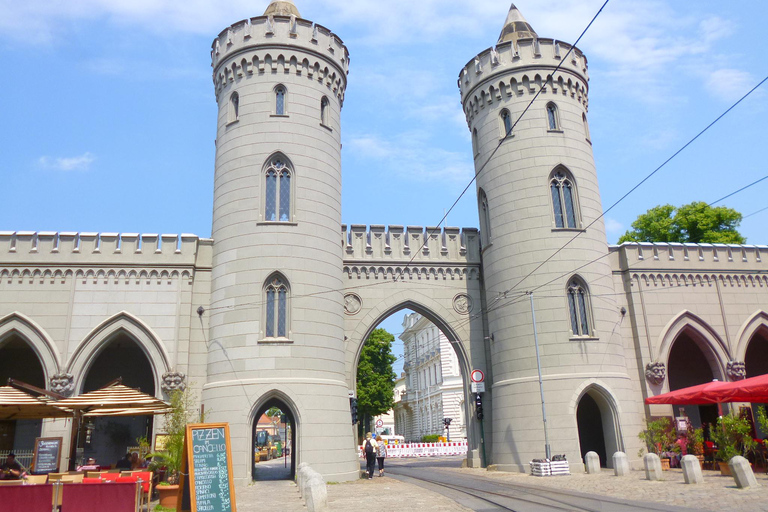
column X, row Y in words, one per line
column 116, row 400
column 19, row 405
column 754, row 389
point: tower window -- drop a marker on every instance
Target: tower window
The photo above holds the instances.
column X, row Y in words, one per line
column 475, row 145
column 586, row 126
column 579, row 308
column 234, row 108
column 553, row 121
column 506, row 123
column 564, row 201
column 485, row 219
column 280, row 100
column 276, row 321
column 324, row 106
column 277, row 197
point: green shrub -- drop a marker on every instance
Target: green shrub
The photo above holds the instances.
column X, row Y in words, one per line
column 733, row 436
column 431, row 438
column 659, row 436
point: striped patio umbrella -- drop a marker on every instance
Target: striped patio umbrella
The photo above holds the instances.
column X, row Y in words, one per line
column 115, row 400
column 19, row 405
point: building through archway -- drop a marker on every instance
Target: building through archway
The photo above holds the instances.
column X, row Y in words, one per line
column 756, row 363
column 19, row 361
column 107, row 439
column 274, row 442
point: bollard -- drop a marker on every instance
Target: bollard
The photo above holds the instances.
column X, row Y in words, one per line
column 317, row 494
column 742, row 472
column 692, row 470
column 652, row 466
column 620, row 464
column 301, row 477
column 592, row 463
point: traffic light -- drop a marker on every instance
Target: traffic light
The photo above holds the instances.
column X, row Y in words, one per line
column 447, row 422
column 353, row 409
column 479, row 405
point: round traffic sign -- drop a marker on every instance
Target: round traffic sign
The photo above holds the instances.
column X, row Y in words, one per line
column 477, row 376
column 379, row 423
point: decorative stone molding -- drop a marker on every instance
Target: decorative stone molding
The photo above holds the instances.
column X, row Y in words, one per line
column 352, row 303
column 736, row 370
column 173, row 381
column 655, row 373
column 63, row 384
column 462, row 303
column 95, row 275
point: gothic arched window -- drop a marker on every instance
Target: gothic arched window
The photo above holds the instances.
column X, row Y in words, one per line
column 280, row 100
column 586, row 126
column 579, row 308
column 485, row 219
column 553, row 119
column 277, row 197
column 475, row 145
column 234, row 108
column 276, row 305
column 506, row 123
column 564, row 200
column 324, row 106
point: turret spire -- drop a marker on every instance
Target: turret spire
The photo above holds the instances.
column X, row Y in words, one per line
column 282, row 8
column 516, row 27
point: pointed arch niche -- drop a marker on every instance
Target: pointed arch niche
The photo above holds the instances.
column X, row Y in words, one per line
column 17, row 328
column 597, row 421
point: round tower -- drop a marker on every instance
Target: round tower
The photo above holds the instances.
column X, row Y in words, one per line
column 536, row 192
column 276, row 315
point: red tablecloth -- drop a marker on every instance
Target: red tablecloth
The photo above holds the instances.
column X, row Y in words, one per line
column 25, row 498
column 109, row 496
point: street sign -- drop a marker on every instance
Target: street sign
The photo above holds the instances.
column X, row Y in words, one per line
column 477, row 376
column 477, row 387
column 379, row 423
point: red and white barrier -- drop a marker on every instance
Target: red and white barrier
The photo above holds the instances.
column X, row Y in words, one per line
column 423, row 449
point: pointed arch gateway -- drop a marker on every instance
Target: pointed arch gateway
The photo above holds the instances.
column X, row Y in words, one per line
column 597, row 422
column 21, row 326
column 264, row 436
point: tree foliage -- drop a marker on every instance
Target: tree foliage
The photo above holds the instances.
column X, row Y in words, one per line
column 696, row 222
column 375, row 377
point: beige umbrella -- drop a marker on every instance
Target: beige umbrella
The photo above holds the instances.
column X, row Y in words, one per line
column 19, row 405
column 115, row 400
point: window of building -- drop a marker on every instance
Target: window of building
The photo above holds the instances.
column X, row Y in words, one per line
column 475, row 145
column 485, row 218
column 276, row 299
column 234, row 108
column 277, row 197
column 586, row 126
column 280, row 100
column 553, row 119
column 324, row 106
column 506, row 123
column 579, row 307
column 564, row 202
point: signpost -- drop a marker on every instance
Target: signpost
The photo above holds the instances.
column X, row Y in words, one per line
column 47, row 455
column 478, row 386
column 206, row 483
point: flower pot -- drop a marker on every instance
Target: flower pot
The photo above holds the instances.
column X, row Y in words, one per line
column 168, row 495
column 700, row 458
column 665, row 464
column 725, row 469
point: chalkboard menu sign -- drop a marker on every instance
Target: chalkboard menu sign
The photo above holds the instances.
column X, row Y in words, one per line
column 47, row 455
column 206, row 483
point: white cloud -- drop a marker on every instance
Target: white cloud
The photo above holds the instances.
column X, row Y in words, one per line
column 613, row 227
column 729, row 84
column 75, row 163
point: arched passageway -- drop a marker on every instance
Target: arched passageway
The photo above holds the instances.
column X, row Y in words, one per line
column 274, row 441
column 19, row 361
column 598, row 426
column 756, row 362
column 690, row 365
column 108, row 438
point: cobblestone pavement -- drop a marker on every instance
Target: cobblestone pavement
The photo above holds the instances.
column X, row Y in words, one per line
column 717, row 493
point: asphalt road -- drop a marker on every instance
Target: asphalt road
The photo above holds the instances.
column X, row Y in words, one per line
column 486, row 495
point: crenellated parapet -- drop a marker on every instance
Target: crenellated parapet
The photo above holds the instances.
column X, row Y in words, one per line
column 268, row 45
column 417, row 243
column 676, row 264
column 520, row 68
column 50, row 248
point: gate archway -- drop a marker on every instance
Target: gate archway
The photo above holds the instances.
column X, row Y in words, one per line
column 598, row 425
column 263, row 440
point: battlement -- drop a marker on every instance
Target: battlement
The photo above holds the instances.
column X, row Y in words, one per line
column 279, row 44
column 642, row 257
column 72, row 248
column 401, row 244
column 530, row 62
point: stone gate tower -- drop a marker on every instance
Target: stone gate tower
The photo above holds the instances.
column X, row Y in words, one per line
column 276, row 316
column 538, row 190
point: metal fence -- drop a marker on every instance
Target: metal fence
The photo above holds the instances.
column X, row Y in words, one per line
column 23, row 457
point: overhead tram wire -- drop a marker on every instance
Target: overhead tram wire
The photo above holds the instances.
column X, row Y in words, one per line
column 649, row 176
column 506, row 135
column 736, row 192
column 754, row 213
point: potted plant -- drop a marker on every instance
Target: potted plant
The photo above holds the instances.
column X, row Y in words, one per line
column 659, row 438
column 733, row 436
column 182, row 413
column 696, row 443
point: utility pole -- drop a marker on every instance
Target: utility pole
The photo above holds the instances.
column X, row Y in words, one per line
column 547, row 449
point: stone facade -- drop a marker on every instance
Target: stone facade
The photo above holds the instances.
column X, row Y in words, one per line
column 275, row 308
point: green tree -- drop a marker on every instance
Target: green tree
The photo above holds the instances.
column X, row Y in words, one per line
column 696, row 222
column 375, row 378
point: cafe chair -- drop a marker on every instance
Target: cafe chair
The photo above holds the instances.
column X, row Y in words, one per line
column 94, row 474
column 110, row 477
column 92, row 480
column 55, row 477
column 11, row 482
column 72, row 479
column 36, row 479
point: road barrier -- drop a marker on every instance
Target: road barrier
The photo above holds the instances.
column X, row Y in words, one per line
column 423, row 449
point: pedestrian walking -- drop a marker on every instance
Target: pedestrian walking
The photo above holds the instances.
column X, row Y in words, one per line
column 370, row 448
column 381, row 455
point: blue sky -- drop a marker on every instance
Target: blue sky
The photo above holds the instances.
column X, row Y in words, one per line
column 108, row 111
